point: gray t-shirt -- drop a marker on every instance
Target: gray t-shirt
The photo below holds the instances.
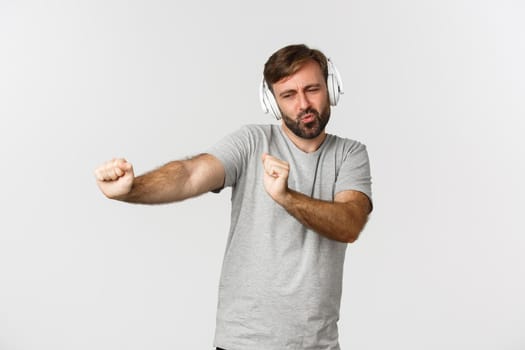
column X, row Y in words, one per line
column 280, row 285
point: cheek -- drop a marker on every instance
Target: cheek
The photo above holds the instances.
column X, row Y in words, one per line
column 288, row 108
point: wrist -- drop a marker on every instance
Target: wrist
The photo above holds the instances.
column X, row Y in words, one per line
column 285, row 199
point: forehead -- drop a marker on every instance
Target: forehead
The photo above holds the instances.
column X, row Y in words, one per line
column 309, row 73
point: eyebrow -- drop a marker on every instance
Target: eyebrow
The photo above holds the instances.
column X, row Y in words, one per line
column 317, row 85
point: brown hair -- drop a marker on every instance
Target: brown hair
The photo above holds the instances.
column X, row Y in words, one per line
column 288, row 60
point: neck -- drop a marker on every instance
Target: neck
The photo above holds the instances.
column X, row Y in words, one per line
column 305, row 145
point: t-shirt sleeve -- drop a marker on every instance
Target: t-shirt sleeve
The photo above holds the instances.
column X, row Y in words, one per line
column 233, row 152
column 354, row 173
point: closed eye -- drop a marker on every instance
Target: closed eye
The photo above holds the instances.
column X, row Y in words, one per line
column 287, row 95
column 313, row 88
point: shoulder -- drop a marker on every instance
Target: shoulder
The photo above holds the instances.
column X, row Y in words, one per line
column 255, row 132
column 344, row 145
column 258, row 129
column 245, row 140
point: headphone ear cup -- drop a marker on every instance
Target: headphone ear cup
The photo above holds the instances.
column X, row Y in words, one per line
column 268, row 102
column 332, row 90
column 274, row 107
column 334, row 83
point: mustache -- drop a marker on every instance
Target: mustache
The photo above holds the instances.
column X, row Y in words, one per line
column 309, row 110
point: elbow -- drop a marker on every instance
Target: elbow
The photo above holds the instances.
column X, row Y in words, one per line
column 352, row 232
column 350, row 237
column 345, row 235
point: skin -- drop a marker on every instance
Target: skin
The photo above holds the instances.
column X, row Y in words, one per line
column 303, row 100
column 341, row 220
column 304, row 104
column 173, row 182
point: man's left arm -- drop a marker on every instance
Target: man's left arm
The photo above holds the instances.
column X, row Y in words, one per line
column 341, row 220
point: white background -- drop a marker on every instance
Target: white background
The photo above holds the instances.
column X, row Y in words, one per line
column 436, row 89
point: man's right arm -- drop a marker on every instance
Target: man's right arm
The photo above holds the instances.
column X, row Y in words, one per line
column 175, row 181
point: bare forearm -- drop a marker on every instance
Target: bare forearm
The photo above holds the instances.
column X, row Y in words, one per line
column 341, row 220
column 338, row 221
column 172, row 182
column 163, row 185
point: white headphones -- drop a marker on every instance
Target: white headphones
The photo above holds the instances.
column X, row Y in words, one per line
column 333, row 82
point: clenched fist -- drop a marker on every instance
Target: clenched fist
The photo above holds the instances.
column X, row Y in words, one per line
column 275, row 177
column 115, row 178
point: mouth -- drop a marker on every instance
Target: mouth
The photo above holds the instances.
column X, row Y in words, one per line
column 308, row 118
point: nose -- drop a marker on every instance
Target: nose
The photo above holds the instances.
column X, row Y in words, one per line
column 303, row 101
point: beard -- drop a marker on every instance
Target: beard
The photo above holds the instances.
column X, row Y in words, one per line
column 311, row 129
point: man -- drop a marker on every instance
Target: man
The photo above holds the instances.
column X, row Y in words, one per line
column 299, row 195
